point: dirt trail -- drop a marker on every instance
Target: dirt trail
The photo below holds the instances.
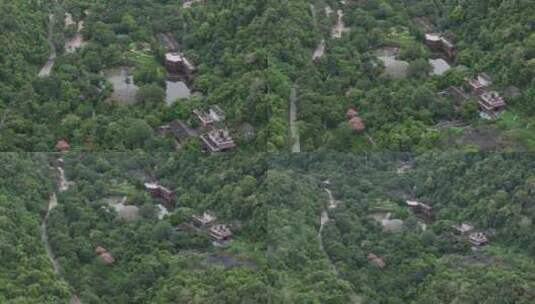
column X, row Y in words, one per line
column 319, row 51
column 53, row 203
column 340, row 26
column 76, row 42
column 324, row 219
column 47, row 68
column 294, row 132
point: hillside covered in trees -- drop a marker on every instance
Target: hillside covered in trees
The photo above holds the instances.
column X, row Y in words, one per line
column 144, row 151
column 307, row 228
column 249, row 55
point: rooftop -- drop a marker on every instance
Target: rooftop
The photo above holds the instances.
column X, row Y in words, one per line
column 156, row 186
column 412, row 203
column 482, row 80
column 432, row 37
column 351, row 112
column 214, row 114
column 62, row 145
column 205, row 218
column 463, row 228
column 218, row 140
column 176, row 57
column 491, row 100
column 220, row 232
column 357, row 124
column 478, row 238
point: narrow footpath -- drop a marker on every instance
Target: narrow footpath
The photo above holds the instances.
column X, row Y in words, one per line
column 52, row 203
column 47, row 68
column 324, row 219
column 294, row 132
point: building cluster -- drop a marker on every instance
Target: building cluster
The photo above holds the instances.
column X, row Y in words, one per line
column 438, row 42
column 215, row 139
column 219, row 232
column 355, row 121
column 421, row 209
column 161, row 192
column 490, row 101
column 476, row 238
column 214, row 136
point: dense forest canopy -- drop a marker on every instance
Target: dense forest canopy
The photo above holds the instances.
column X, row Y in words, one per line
column 145, row 151
column 304, row 227
column 250, row 54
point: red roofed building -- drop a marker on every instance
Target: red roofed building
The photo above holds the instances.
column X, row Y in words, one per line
column 491, row 102
column 62, row 145
column 479, row 83
column 351, row 112
column 357, row 124
column 104, row 256
column 375, row 260
column 100, row 250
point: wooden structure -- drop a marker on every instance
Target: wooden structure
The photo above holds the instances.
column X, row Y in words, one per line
column 480, row 83
column 478, row 239
column 420, row 209
column 220, row 232
column 177, row 63
column 438, row 42
column 491, row 102
column 161, row 192
column 218, row 140
column 213, row 115
column 463, row 228
column 204, row 219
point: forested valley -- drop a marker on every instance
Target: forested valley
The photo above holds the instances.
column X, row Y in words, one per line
column 307, row 228
column 267, row 151
column 249, row 55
